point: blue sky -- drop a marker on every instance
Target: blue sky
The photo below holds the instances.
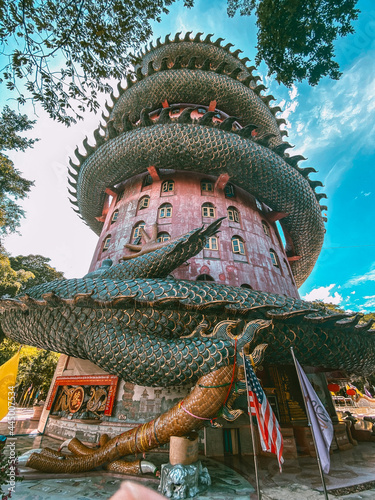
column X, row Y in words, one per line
column 332, row 124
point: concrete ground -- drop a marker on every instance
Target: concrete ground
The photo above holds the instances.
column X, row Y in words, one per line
column 352, row 475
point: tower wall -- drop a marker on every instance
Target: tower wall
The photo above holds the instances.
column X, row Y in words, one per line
column 180, row 210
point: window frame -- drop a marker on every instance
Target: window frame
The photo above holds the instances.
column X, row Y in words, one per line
column 266, row 228
column 115, row 215
column 232, row 192
column 162, row 234
column 106, row 242
column 274, row 258
column 136, row 229
column 147, row 181
column 167, row 183
column 235, row 214
column 211, row 210
column 144, row 202
column 205, row 183
column 166, row 207
column 212, row 241
column 240, row 245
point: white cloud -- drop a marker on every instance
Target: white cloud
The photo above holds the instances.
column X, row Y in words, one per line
column 370, row 302
column 341, row 112
column 324, row 293
column 293, row 93
column 369, row 276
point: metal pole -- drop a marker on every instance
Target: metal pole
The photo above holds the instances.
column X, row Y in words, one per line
column 311, row 427
column 252, row 435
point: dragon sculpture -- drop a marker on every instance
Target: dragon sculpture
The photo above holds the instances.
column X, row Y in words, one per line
column 133, row 319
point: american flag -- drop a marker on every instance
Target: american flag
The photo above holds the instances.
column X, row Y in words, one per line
column 271, row 439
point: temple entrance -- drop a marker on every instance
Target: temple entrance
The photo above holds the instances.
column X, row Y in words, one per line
column 231, row 442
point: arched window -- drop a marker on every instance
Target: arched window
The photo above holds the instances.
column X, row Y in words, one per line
column 233, row 214
column 106, row 243
column 245, row 285
column 229, row 190
column 207, row 186
column 114, row 216
column 238, row 245
column 274, row 258
column 167, row 187
column 174, row 112
column 165, row 211
column 212, row 243
column 147, row 181
column 143, row 202
column 163, row 237
column 202, row 111
column 136, row 233
column 205, row 277
column 266, row 228
column 208, row 210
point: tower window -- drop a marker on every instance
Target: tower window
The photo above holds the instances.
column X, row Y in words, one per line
column 136, row 233
column 167, row 187
column 266, row 229
column 208, row 210
column 233, row 214
column 163, row 237
column 114, row 216
column 238, row 245
column 274, row 258
column 212, row 243
column 120, row 196
column 147, row 181
column 165, row 211
column 229, row 191
column 143, row 202
column 207, row 186
column 107, row 241
column 205, row 277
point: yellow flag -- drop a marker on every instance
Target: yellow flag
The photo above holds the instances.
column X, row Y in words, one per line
column 8, row 375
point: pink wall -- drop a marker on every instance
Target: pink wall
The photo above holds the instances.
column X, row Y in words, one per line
column 254, row 269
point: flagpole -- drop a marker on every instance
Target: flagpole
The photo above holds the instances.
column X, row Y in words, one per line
column 311, row 427
column 252, row 435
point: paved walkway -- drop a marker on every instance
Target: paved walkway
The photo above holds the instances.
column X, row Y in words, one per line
column 232, row 478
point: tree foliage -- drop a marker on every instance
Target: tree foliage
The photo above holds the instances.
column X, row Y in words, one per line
column 36, row 366
column 39, row 266
column 295, row 37
column 60, row 53
column 11, row 281
column 12, row 185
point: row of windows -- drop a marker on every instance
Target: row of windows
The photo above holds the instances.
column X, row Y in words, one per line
column 208, row 210
column 238, row 244
column 167, row 186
